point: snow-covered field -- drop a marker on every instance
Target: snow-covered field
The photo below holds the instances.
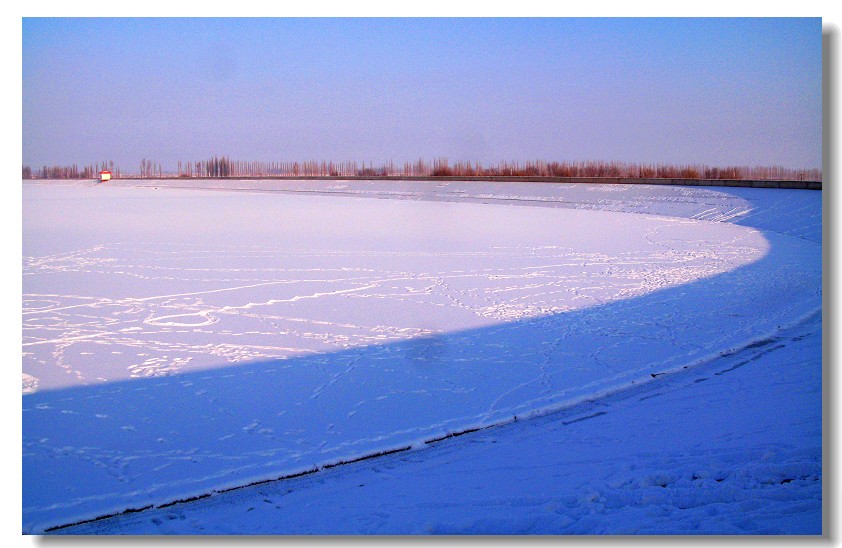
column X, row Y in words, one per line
column 180, row 342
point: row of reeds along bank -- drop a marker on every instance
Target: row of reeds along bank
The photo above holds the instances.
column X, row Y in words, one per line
column 222, row 166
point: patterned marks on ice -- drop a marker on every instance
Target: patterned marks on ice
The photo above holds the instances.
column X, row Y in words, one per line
column 248, row 303
column 29, row 384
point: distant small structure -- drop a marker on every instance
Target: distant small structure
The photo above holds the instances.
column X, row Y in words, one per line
column 104, row 176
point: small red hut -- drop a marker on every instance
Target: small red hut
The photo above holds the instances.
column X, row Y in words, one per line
column 104, row 176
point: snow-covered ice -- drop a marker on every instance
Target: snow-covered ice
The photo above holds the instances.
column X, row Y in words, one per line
column 658, row 459
column 181, row 342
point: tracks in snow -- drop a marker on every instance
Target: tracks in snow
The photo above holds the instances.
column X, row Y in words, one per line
column 586, row 410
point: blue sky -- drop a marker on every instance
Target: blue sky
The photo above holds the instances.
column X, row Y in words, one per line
column 712, row 91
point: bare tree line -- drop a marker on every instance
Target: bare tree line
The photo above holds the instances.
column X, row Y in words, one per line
column 223, row 166
column 148, row 169
column 90, row 171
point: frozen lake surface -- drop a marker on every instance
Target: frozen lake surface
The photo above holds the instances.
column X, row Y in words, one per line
column 180, row 342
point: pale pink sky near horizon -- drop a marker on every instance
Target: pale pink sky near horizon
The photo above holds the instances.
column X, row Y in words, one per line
column 710, row 91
